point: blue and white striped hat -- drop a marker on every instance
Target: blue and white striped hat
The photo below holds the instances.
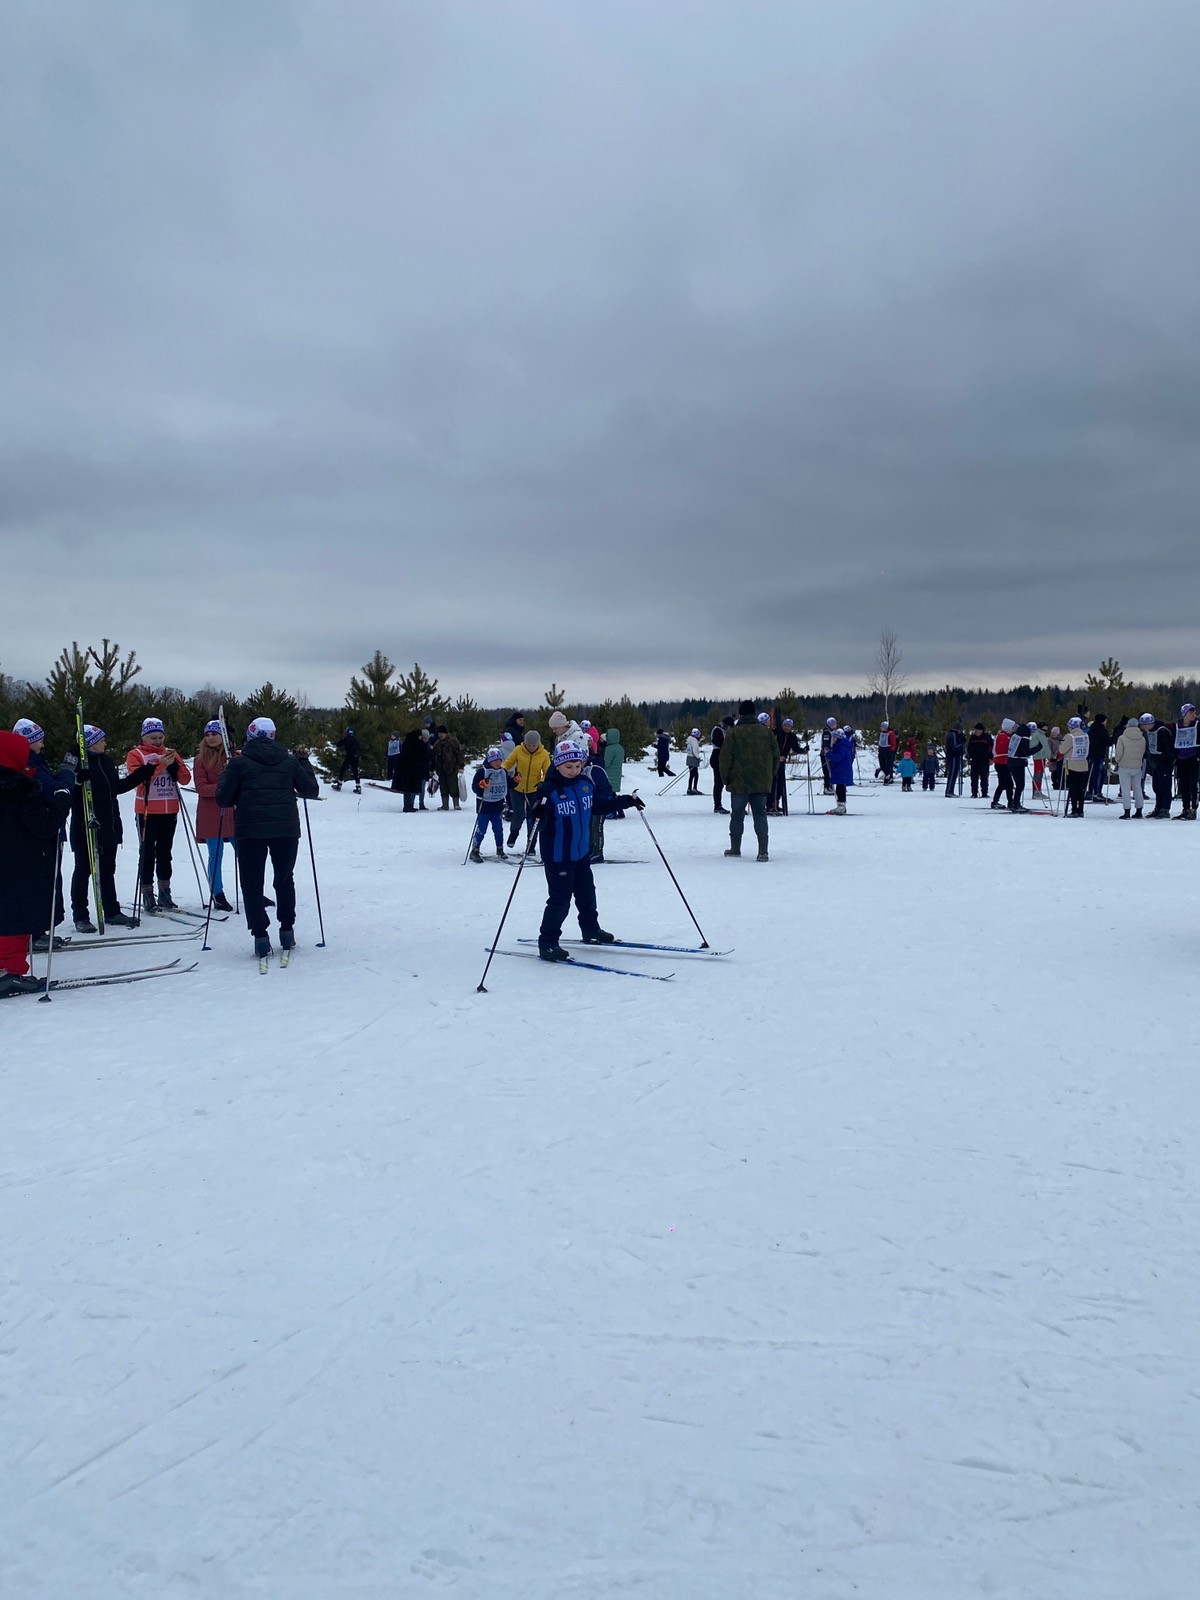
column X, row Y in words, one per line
column 28, row 730
column 152, row 725
column 92, row 735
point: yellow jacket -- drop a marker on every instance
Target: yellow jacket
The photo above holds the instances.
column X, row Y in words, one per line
column 530, row 766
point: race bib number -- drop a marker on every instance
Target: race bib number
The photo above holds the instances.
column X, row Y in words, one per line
column 1185, row 738
column 1079, row 747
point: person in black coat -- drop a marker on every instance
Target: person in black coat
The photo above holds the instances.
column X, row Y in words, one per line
column 954, row 746
column 412, row 767
column 979, row 759
column 1099, row 740
column 101, row 774
column 263, row 783
column 30, row 826
column 717, row 739
column 662, row 751
column 350, row 762
column 516, row 727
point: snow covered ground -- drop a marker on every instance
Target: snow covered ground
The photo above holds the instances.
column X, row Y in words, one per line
column 862, row 1263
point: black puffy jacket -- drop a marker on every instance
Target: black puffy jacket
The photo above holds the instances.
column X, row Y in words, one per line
column 263, row 783
column 29, row 825
column 101, row 773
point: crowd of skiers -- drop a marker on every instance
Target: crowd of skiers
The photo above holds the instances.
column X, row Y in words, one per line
column 246, row 800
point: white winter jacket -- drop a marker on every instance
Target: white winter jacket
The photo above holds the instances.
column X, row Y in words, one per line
column 1130, row 749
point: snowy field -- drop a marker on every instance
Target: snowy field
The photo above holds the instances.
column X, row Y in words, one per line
column 859, row 1264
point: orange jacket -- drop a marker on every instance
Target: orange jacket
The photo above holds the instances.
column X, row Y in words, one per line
column 163, row 796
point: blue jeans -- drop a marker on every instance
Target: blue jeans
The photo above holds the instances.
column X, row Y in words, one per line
column 216, row 849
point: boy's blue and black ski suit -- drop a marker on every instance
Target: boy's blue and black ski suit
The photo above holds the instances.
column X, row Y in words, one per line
column 563, row 808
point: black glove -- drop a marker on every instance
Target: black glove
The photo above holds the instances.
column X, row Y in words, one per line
column 634, row 800
column 65, row 781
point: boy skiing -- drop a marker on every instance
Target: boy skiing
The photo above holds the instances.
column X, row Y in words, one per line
column 490, row 786
column 563, row 811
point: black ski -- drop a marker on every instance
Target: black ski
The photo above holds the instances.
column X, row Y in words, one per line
column 636, row 944
column 96, row 980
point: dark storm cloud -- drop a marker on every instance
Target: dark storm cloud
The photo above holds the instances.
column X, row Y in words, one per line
column 673, row 346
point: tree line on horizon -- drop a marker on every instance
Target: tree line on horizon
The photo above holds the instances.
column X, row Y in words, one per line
column 380, row 699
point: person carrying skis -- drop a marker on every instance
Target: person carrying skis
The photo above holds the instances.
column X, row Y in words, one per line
column 30, row 824
column 562, row 809
column 955, row 745
column 529, row 764
column 887, row 752
column 351, row 759
column 100, row 772
column 214, row 827
column 979, row 759
column 156, row 808
column 692, row 759
column 840, row 765
column 749, row 758
column 490, row 787
column 263, row 782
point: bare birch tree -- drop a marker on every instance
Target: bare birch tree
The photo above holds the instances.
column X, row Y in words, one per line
column 887, row 676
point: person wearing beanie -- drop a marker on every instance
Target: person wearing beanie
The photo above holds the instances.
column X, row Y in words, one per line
column 214, row 827
column 717, row 738
column 263, row 782
column 1130, row 754
column 1075, row 765
column 47, row 779
column 448, row 762
column 593, row 735
column 156, row 809
column 100, row 773
column 351, row 760
column 662, row 753
column 749, row 758
column 1039, row 754
column 692, row 760
column 1160, row 762
column 1184, row 734
column 828, row 733
column 564, row 727
column 907, row 768
column 1000, row 761
column 528, row 764
column 30, row 826
column 979, row 760
column 887, row 752
column 515, row 727
column 842, row 746
column 562, row 809
column 490, row 787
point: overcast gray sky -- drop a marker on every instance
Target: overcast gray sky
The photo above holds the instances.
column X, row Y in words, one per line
column 659, row 345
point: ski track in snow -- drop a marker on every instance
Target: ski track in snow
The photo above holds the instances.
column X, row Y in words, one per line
column 861, row 1263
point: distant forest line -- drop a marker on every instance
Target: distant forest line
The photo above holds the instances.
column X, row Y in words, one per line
column 380, row 699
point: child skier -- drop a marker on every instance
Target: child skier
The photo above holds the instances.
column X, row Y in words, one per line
column 907, row 769
column 929, row 766
column 156, row 810
column 563, row 811
column 490, row 787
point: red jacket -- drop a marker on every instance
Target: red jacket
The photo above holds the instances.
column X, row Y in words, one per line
column 1000, row 749
column 212, row 821
column 163, row 797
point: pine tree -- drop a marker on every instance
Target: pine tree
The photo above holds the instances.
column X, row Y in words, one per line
column 111, row 699
column 282, row 708
column 419, row 696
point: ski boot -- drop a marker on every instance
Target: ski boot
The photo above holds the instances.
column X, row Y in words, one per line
column 287, row 938
column 165, row 903
column 118, row 919
column 555, row 952
column 501, row 854
column 149, row 904
column 262, row 946
column 839, row 811
column 598, row 936
column 84, row 925
column 11, row 986
column 475, row 855
column 221, row 903
column 42, row 945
